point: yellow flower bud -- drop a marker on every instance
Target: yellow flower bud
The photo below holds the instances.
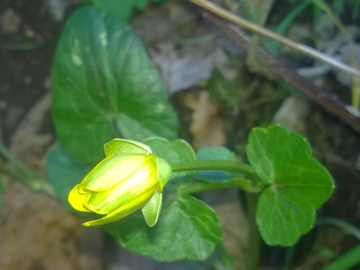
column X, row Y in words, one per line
column 129, row 178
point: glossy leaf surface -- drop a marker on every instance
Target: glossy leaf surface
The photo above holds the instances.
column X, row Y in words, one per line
column 105, row 86
column 187, row 229
column 297, row 184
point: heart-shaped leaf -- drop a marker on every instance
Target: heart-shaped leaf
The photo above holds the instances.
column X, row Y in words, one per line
column 187, row 229
column 298, row 184
column 105, row 86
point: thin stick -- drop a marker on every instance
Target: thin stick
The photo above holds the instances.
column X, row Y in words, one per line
column 329, row 101
column 288, row 42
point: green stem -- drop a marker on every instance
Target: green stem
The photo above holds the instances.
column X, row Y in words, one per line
column 214, row 165
column 30, row 180
column 346, row 261
column 22, row 173
column 10, row 171
column 249, row 181
column 226, row 258
column 13, row 160
column 347, row 227
column 252, row 186
column 205, row 186
column 254, row 235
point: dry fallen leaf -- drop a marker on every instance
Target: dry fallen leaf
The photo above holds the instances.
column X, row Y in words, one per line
column 28, row 142
column 207, row 127
column 292, row 114
column 36, row 231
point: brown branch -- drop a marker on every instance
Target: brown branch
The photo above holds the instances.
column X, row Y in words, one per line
column 230, row 17
column 330, row 102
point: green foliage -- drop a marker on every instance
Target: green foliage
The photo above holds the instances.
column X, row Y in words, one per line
column 190, row 225
column 225, row 90
column 298, row 184
column 64, row 173
column 187, row 229
column 171, row 151
column 286, row 22
column 335, row 9
column 347, row 261
column 122, row 8
column 105, row 86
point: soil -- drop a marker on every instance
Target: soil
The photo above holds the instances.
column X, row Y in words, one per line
column 27, row 44
column 36, row 231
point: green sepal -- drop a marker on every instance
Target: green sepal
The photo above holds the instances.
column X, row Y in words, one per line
column 152, row 208
column 119, row 146
column 164, row 171
column 173, row 152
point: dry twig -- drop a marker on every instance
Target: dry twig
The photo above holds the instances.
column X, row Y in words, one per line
column 330, row 102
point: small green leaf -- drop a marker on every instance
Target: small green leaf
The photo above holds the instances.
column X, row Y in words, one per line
column 173, row 152
column 164, row 171
column 122, row 8
column 152, row 208
column 64, row 173
column 187, row 229
column 105, row 86
column 119, row 146
column 216, row 153
column 298, row 184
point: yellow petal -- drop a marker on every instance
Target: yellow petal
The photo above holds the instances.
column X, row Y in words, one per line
column 77, row 197
column 119, row 213
column 112, row 170
column 142, row 182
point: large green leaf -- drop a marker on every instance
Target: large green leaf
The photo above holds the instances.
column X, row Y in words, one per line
column 298, row 184
column 173, row 152
column 104, row 86
column 64, row 173
column 187, row 229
